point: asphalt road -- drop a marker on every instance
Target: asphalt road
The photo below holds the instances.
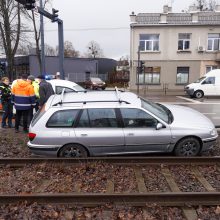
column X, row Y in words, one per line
column 210, row 107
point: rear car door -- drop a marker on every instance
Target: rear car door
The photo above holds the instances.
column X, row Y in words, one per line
column 141, row 134
column 98, row 129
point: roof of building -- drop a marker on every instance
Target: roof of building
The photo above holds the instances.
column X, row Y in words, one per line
column 204, row 18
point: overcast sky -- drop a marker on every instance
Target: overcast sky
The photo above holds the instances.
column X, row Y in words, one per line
column 80, row 16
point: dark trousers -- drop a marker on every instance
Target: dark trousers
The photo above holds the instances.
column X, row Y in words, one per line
column 19, row 114
column 7, row 108
column 31, row 113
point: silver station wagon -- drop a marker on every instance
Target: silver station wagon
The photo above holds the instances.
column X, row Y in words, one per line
column 114, row 123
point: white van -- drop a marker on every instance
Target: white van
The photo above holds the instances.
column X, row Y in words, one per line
column 209, row 85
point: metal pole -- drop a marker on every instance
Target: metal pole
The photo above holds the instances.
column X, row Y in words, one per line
column 138, row 70
column 42, row 40
column 61, row 48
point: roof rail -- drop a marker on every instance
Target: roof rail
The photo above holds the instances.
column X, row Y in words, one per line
column 84, row 102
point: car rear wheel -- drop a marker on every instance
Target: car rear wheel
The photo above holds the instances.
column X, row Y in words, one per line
column 198, row 94
column 187, row 147
column 73, row 150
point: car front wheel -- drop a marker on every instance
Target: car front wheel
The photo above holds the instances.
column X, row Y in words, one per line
column 187, row 147
column 73, row 150
column 198, row 94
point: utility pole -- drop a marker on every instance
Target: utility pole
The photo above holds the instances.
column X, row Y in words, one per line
column 43, row 68
column 138, row 70
column 61, row 48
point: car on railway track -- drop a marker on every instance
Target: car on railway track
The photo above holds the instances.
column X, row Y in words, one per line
column 116, row 123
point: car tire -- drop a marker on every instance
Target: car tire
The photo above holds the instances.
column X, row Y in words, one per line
column 187, row 147
column 103, row 88
column 198, row 94
column 73, row 151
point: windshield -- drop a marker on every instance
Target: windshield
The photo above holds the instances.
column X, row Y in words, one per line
column 199, row 80
column 78, row 88
column 157, row 109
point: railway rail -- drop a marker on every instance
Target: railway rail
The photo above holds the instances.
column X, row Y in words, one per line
column 114, row 160
column 209, row 196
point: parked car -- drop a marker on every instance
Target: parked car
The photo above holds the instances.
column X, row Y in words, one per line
column 95, row 83
column 59, row 84
column 209, row 85
column 110, row 123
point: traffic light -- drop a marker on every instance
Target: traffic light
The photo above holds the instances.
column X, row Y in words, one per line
column 55, row 15
column 141, row 66
column 30, row 4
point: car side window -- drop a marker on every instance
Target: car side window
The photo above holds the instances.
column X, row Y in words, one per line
column 102, row 118
column 137, row 118
column 84, row 120
column 65, row 118
column 209, row 80
column 59, row 89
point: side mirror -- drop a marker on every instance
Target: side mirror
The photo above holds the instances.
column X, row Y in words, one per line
column 159, row 126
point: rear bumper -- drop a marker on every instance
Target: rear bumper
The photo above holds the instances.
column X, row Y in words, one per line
column 44, row 150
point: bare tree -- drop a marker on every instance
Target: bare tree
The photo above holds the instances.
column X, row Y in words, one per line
column 10, row 30
column 94, row 50
column 49, row 50
column 69, row 50
column 205, row 5
column 31, row 16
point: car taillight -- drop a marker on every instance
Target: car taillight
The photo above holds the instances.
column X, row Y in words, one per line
column 31, row 136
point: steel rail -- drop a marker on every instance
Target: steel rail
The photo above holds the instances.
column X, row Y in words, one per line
column 115, row 160
column 132, row 199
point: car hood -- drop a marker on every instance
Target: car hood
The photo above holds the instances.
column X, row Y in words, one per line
column 185, row 116
column 192, row 85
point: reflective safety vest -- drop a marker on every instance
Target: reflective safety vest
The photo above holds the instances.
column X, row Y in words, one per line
column 23, row 95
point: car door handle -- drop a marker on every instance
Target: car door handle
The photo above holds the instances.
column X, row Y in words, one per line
column 130, row 134
column 84, row 135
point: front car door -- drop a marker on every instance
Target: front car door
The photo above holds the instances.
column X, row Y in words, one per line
column 208, row 86
column 141, row 134
column 99, row 130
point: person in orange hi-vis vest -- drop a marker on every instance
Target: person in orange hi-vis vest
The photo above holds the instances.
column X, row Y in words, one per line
column 23, row 98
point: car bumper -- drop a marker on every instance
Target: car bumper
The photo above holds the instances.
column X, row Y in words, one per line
column 189, row 91
column 208, row 144
column 45, row 150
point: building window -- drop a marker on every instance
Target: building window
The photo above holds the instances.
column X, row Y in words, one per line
column 149, row 42
column 184, row 41
column 151, row 75
column 213, row 42
column 209, row 68
column 182, row 76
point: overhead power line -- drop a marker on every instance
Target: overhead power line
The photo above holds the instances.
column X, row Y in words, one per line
column 84, row 29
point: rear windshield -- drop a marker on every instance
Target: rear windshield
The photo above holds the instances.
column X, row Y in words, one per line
column 38, row 115
column 96, row 79
column 78, row 88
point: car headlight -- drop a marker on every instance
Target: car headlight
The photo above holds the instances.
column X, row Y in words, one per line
column 213, row 132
